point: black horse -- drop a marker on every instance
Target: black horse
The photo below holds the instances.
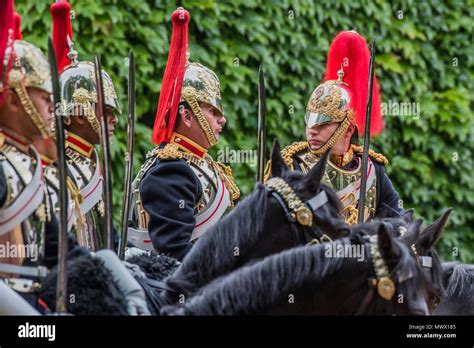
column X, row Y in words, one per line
column 424, row 246
column 258, row 227
column 305, row 281
column 458, row 280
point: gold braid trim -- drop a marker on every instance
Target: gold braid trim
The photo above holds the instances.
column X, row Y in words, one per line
column 193, row 103
column 170, row 151
column 84, row 101
column 334, row 137
column 378, row 157
column 287, row 154
column 267, row 172
column 225, row 172
column 289, row 151
column 78, row 199
column 351, row 219
column 31, row 110
column 89, row 113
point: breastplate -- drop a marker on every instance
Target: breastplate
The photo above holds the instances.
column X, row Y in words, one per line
column 346, row 184
column 89, row 231
column 52, row 183
column 24, row 241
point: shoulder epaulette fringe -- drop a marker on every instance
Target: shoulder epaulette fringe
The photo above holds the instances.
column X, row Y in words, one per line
column 378, row 157
column 170, row 151
column 289, row 151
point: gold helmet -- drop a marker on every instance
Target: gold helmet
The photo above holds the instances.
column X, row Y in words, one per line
column 79, row 92
column 342, row 97
column 77, row 79
column 187, row 82
column 25, row 66
column 201, row 85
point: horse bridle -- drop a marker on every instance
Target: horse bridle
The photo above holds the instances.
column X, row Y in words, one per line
column 302, row 213
column 298, row 213
column 426, row 264
column 379, row 277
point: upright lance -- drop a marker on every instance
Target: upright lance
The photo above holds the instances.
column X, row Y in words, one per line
column 105, row 145
column 261, row 125
column 128, row 154
column 61, row 288
column 365, row 154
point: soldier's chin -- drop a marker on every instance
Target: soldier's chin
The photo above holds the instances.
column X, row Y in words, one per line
column 315, row 147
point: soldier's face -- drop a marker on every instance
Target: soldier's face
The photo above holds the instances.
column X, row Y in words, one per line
column 42, row 101
column 319, row 135
column 111, row 120
column 215, row 119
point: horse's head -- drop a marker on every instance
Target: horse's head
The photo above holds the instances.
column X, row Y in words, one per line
column 398, row 280
column 423, row 247
column 311, row 209
column 375, row 274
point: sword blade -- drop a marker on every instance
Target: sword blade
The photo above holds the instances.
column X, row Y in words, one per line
column 61, row 291
column 128, row 154
column 105, row 145
column 261, row 125
column 365, row 154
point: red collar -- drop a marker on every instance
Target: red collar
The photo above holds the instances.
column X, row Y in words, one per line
column 188, row 145
column 79, row 144
column 16, row 140
column 46, row 161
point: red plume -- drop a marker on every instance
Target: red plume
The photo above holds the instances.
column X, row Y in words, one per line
column 350, row 50
column 18, row 35
column 62, row 28
column 170, row 93
column 7, row 24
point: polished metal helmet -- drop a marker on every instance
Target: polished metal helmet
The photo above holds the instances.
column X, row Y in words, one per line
column 329, row 102
column 201, row 85
column 27, row 67
column 79, row 92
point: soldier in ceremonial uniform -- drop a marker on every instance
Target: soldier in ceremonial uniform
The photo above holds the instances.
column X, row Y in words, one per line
column 28, row 226
column 47, row 150
column 180, row 191
column 335, row 116
column 83, row 131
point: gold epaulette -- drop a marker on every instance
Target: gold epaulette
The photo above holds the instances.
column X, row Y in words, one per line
column 289, row 151
column 170, row 151
column 287, row 154
column 228, row 178
column 378, row 157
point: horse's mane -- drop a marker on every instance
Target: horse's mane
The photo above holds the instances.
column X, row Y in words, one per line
column 458, row 278
column 252, row 287
column 239, row 229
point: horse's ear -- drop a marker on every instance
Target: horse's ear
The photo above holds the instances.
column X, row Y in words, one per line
column 278, row 164
column 413, row 230
column 408, row 215
column 432, row 233
column 312, row 179
column 387, row 247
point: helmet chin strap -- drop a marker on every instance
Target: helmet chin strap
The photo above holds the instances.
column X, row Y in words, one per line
column 196, row 109
column 343, row 126
column 31, row 110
